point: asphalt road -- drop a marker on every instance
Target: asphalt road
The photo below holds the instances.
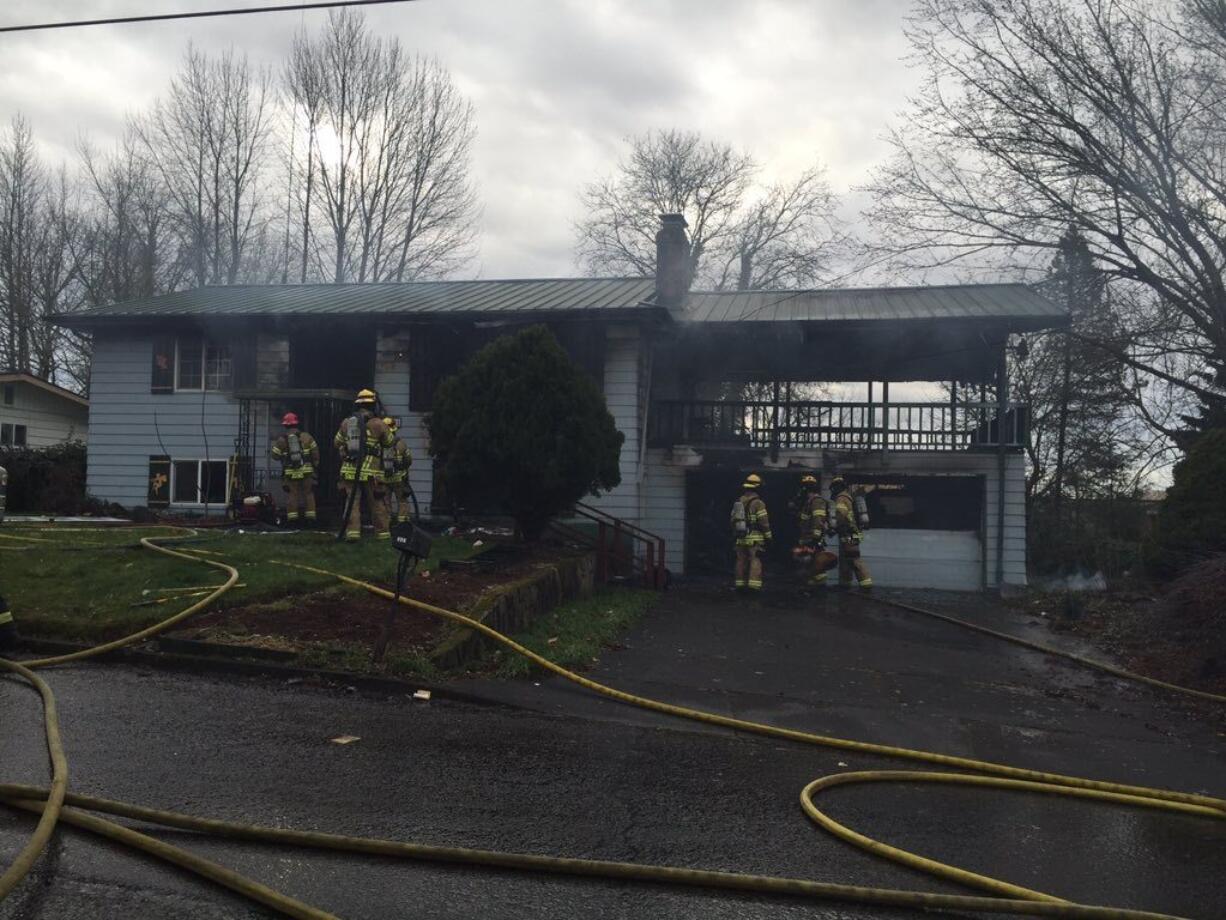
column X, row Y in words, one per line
column 560, row 772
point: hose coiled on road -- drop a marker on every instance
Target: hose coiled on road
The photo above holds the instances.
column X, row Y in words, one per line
column 56, row 804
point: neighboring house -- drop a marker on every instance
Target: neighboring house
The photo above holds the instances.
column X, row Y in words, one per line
column 187, row 389
column 35, row 413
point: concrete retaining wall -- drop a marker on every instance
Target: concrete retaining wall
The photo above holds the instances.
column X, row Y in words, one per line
column 510, row 608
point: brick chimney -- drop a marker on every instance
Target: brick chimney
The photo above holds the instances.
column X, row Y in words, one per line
column 672, row 262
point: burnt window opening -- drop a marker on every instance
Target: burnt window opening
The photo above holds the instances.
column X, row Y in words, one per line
column 438, row 351
column 921, row 502
column 332, row 356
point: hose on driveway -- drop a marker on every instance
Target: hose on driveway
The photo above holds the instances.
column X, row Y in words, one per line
column 55, row 803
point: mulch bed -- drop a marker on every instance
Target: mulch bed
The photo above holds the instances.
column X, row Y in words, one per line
column 358, row 618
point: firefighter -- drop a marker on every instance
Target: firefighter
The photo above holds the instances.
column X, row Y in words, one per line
column 299, row 456
column 812, row 526
column 360, row 441
column 751, row 527
column 850, row 538
column 395, row 472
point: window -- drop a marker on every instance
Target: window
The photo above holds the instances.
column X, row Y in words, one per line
column 190, row 362
column 10, row 393
column 12, row 435
column 197, row 482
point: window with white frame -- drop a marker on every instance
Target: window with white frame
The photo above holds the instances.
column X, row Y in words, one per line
column 12, row 435
column 201, row 364
column 199, row 482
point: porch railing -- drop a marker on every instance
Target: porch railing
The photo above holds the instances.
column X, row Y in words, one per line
column 836, row 425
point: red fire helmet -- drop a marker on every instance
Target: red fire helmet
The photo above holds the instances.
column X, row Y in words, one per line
column 290, row 420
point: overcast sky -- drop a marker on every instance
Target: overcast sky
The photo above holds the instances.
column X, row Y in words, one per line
column 557, row 86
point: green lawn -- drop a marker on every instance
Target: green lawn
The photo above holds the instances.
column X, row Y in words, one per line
column 79, row 583
column 574, row 635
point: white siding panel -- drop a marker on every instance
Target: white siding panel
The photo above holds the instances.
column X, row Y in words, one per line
column 664, row 506
column 48, row 419
column 621, row 392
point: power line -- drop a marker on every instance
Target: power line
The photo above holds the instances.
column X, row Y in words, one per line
column 203, row 14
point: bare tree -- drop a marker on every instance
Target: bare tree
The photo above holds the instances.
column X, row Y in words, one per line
column 385, row 168
column 788, row 238
column 666, row 172
column 784, row 235
column 36, row 259
column 209, row 141
column 125, row 249
column 1041, row 115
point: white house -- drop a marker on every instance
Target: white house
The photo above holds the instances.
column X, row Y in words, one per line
column 187, row 389
column 35, row 413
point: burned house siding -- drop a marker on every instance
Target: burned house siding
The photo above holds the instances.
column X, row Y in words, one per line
column 392, row 381
column 128, row 424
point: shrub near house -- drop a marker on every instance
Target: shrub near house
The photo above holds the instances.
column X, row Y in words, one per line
column 524, row 430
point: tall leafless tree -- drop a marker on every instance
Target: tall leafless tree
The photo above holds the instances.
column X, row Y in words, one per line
column 36, row 259
column 384, row 189
column 665, row 172
column 209, row 139
column 785, row 235
column 1104, row 116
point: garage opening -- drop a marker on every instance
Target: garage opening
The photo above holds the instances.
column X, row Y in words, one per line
column 926, row 530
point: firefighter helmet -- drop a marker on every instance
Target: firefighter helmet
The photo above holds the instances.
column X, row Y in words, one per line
column 808, row 480
column 365, row 398
column 289, row 420
column 838, row 484
column 752, row 481
column 391, row 423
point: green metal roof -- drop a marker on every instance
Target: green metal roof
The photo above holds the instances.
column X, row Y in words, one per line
column 1016, row 305
column 535, row 295
column 1009, row 302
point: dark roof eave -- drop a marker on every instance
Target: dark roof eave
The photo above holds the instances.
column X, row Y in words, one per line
column 88, row 321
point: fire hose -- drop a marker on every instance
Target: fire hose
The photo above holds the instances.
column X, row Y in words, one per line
column 55, row 803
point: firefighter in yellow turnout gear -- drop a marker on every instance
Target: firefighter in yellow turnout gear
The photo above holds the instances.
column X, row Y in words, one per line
column 298, row 453
column 395, row 472
column 360, row 441
column 751, row 527
column 812, row 525
column 850, row 538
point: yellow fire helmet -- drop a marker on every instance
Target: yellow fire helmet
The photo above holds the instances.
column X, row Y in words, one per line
column 838, row 484
column 390, row 423
column 365, row 398
column 752, row 481
column 808, row 480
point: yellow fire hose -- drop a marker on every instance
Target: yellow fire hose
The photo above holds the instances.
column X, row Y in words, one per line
column 1006, row 898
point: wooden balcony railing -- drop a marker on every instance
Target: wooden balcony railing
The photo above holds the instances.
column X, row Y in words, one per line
column 835, row 425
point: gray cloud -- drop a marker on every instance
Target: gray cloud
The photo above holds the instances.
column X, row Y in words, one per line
column 557, row 85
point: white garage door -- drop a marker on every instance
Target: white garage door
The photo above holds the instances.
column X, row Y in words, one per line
column 947, row 559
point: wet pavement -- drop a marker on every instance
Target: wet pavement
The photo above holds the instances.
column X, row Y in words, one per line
column 561, row 772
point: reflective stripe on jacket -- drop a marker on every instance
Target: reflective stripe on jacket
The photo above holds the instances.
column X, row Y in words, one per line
column 378, row 436
column 813, row 518
column 757, row 519
column 310, row 456
column 845, row 517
